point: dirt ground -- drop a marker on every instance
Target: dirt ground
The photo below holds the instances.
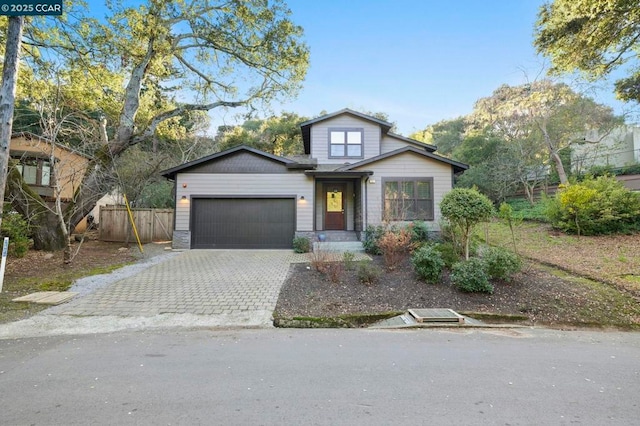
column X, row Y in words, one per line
column 44, row 271
column 541, row 294
column 44, row 265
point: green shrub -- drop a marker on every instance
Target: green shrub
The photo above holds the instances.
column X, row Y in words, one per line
column 594, row 207
column 448, row 253
column 419, row 232
column 501, row 263
column 372, row 235
column 471, row 276
column 368, row 273
column 428, row 263
column 16, row 228
column 523, row 210
column 301, row 245
column 348, row 260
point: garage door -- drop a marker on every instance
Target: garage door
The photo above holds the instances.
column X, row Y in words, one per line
column 242, row 223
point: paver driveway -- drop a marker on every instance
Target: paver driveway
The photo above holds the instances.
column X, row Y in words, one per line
column 200, row 282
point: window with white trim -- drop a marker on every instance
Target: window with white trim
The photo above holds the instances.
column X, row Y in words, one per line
column 408, row 198
column 345, row 143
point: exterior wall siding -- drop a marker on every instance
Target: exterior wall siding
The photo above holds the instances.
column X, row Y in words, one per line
column 320, row 138
column 389, row 144
column 240, row 185
column 406, row 165
column 68, row 169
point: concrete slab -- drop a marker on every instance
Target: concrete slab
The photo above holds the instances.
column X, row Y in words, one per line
column 47, row 297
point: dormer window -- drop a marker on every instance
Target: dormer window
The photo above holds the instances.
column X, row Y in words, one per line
column 345, row 143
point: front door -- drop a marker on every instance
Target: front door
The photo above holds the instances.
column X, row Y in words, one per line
column 334, row 214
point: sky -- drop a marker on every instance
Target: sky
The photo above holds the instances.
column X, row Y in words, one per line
column 419, row 61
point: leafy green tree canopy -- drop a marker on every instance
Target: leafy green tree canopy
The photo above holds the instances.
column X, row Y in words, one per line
column 594, row 37
column 279, row 135
column 464, row 208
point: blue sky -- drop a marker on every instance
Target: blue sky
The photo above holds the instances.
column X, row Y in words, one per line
column 419, row 61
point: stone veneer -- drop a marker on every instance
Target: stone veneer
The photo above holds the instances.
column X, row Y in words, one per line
column 181, row 239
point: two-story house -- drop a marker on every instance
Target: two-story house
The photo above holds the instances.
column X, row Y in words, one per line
column 354, row 173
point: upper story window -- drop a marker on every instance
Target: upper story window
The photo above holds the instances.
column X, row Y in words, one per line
column 35, row 171
column 345, row 143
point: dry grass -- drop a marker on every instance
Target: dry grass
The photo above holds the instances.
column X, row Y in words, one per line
column 613, row 259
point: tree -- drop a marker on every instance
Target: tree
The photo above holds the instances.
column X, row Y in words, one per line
column 445, row 134
column 7, row 94
column 595, row 37
column 544, row 111
column 492, row 166
column 279, row 135
column 175, row 59
column 464, row 209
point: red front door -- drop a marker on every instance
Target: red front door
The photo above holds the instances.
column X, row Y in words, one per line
column 334, row 207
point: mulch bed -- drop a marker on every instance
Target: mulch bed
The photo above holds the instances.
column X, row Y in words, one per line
column 536, row 293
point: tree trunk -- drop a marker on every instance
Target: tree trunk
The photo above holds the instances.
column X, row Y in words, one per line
column 46, row 232
column 43, row 223
column 8, row 94
column 559, row 167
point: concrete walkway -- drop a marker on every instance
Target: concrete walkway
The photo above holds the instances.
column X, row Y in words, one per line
column 196, row 288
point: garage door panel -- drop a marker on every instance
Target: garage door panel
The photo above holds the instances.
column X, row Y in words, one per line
column 243, row 223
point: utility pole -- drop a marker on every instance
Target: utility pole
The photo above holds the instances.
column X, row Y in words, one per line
column 8, row 95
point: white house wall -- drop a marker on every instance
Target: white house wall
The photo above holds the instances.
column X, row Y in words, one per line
column 621, row 147
column 212, row 185
column 406, row 165
column 320, row 138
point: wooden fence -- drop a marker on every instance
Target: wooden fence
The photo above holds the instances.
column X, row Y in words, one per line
column 152, row 224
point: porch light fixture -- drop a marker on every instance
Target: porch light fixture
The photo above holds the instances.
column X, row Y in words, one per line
column 184, row 185
column 302, row 198
column 184, row 197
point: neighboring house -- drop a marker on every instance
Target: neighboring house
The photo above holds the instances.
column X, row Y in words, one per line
column 617, row 149
column 44, row 163
column 354, row 173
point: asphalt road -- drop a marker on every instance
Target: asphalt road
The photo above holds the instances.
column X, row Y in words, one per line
column 323, row 377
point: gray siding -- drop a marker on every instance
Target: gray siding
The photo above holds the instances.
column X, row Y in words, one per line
column 389, row 143
column 407, row 165
column 245, row 185
column 320, row 138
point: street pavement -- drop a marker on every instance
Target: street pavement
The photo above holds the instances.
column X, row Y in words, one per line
column 323, row 377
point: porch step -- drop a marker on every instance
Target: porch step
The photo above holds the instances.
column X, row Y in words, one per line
column 338, row 236
column 339, row 246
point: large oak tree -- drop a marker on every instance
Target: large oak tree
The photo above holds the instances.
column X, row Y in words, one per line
column 174, row 58
column 594, row 37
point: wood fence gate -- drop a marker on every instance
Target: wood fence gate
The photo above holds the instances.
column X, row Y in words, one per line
column 152, row 224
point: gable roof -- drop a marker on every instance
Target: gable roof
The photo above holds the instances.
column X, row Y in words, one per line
column 430, row 148
column 171, row 173
column 385, row 126
column 28, row 136
column 305, row 127
column 457, row 166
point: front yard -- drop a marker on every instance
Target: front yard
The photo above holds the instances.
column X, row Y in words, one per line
column 540, row 294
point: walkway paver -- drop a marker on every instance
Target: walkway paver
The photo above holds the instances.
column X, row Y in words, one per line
column 199, row 282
